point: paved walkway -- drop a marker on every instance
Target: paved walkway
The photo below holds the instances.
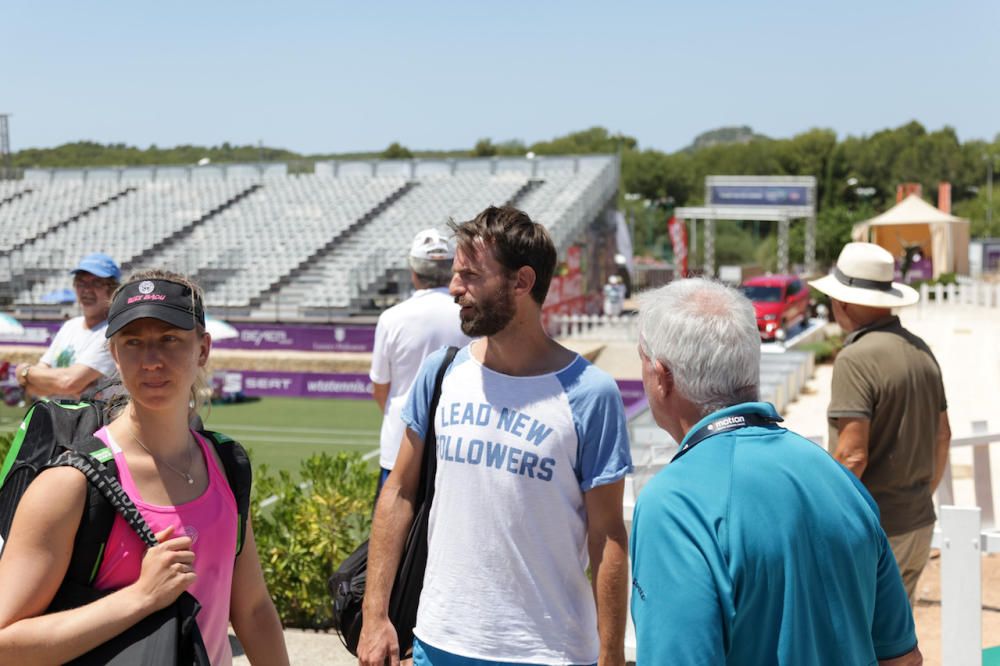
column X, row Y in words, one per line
column 306, row 648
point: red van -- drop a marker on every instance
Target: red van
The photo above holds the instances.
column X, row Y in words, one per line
column 780, row 301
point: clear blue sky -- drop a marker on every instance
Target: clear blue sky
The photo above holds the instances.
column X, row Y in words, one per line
column 339, row 76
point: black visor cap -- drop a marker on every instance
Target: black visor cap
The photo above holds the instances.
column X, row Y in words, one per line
column 165, row 300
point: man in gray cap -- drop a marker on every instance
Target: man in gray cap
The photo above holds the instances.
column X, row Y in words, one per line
column 407, row 332
column 888, row 414
column 78, row 358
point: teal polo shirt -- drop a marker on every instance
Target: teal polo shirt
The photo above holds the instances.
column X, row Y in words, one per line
column 756, row 547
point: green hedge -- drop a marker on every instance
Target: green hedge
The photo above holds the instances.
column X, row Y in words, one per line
column 824, row 351
column 317, row 520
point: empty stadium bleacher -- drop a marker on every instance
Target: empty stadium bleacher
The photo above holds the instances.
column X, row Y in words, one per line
column 271, row 245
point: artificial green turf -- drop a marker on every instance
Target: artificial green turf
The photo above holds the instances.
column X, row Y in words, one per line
column 10, row 417
column 280, row 432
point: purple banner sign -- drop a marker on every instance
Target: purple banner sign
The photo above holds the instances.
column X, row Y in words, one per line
column 326, row 338
column 923, row 269
column 633, row 396
column 758, row 195
column 991, row 258
column 36, row 334
column 259, row 383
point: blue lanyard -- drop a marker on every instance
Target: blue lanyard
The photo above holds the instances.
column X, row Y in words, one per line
column 724, row 424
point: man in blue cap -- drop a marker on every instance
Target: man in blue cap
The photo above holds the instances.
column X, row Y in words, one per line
column 78, row 358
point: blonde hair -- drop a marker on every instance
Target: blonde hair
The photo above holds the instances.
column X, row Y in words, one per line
column 201, row 389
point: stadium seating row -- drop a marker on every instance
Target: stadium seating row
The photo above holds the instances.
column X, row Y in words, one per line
column 272, row 242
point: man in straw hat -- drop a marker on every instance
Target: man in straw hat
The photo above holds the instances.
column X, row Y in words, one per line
column 888, row 414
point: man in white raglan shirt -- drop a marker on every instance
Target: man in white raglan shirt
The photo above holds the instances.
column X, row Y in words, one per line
column 407, row 332
column 78, row 358
column 532, row 451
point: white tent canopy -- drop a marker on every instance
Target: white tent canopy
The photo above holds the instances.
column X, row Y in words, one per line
column 913, row 221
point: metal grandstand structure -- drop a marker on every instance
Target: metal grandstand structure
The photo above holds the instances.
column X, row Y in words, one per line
column 269, row 245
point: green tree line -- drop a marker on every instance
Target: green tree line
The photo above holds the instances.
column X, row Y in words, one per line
column 856, row 176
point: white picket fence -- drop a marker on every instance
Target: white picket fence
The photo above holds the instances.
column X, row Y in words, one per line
column 596, row 327
column 967, row 292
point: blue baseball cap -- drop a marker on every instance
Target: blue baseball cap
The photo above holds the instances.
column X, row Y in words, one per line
column 99, row 264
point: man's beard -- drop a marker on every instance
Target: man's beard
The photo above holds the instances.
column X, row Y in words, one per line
column 491, row 316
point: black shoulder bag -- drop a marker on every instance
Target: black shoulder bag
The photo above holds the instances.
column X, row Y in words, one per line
column 347, row 585
column 167, row 637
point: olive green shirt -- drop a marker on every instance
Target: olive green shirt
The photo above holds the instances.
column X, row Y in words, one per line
column 889, row 376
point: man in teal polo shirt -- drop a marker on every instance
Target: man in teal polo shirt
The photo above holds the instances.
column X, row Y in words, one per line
column 753, row 546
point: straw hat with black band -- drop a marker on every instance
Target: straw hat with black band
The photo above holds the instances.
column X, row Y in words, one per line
column 863, row 276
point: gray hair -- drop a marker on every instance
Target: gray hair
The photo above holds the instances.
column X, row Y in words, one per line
column 431, row 273
column 706, row 334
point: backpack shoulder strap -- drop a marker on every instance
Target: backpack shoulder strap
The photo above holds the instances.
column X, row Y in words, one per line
column 428, row 467
column 105, row 498
column 239, row 473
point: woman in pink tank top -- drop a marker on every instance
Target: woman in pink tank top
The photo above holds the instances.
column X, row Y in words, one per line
column 156, row 334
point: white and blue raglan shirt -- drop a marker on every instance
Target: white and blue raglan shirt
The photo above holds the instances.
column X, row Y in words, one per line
column 506, row 572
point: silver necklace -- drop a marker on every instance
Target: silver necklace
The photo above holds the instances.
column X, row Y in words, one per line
column 187, row 475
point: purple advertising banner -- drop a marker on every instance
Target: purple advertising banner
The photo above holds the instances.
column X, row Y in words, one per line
column 758, row 195
column 991, row 258
column 923, row 269
column 633, row 396
column 293, row 337
column 260, row 383
column 325, row 338
column 36, row 334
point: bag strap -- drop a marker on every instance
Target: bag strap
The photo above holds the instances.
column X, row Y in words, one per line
column 239, row 474
column 110, row 489
column 428, row 467
column 97, row 519
column 100, row 509
column 100, row 386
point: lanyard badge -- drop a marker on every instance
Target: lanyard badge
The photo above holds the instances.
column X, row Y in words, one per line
column 721, row 425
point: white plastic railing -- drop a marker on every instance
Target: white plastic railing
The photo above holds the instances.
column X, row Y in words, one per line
column 596, row 327
column 964, row 534
column 983, row 294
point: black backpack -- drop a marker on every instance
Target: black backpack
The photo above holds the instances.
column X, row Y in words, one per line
column 52, row 428
column 347, row 584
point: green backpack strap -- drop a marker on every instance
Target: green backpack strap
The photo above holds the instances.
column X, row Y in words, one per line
column 97, row 519
column 236, row 464
column 99, row 516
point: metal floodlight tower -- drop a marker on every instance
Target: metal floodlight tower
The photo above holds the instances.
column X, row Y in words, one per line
column 7, row 171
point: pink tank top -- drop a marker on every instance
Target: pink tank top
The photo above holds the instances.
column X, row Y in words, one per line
column 210, row 520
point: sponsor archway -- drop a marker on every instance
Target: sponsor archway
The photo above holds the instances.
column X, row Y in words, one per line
column 780, row 199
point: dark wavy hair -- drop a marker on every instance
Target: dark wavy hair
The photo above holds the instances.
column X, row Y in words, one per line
column 515, row 241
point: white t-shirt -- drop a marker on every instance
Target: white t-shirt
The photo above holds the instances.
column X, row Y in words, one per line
column 75, row 343
column 405, row 334
column 506, row 570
